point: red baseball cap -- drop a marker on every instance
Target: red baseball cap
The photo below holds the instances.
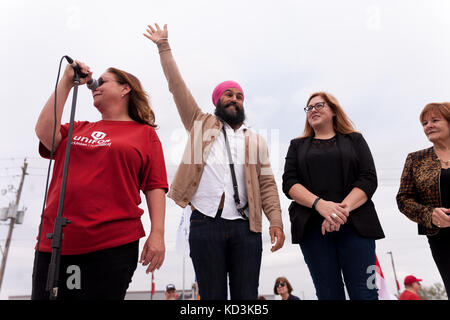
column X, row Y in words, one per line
column 410, row 280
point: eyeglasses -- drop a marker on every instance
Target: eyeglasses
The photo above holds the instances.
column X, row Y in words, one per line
column 100, row 81
column 317, row 106
column 280, row 284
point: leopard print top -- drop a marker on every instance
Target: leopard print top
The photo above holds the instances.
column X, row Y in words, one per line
column 419, row 191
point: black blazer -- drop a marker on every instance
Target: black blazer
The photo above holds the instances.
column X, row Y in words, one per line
column 358, row 170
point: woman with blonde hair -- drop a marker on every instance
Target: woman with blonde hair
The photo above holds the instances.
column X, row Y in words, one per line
column 424, row 193
column 111, row 162
column 330, row 175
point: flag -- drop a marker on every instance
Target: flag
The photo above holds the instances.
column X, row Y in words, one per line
column 182, row 242
column 153, row 284
column 383, row 293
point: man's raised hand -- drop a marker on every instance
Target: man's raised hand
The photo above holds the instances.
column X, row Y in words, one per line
column 156, row 33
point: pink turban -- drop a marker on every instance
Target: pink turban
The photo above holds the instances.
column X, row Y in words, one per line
column 222, row 87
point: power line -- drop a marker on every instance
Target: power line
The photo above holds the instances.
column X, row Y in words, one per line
column 14, row 214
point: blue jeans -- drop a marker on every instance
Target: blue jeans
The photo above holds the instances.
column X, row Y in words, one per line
column 336, row 254
column 220, row 247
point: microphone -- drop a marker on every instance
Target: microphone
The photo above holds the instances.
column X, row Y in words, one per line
column 91, row 84
column 75, row 66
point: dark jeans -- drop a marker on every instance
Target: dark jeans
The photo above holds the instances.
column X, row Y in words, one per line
column 337, row 254
column 220, row 247
column 103, row 274
column 440, row 249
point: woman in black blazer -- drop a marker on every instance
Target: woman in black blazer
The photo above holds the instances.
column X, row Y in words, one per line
column 330, row 176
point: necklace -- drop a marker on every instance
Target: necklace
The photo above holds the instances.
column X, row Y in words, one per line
column 446, row 162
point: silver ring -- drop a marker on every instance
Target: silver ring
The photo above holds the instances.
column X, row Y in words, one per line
column 334, row 215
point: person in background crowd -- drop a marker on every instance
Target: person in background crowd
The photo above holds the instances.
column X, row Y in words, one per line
column 412, row 286
column 171, row 292
column 284, row 289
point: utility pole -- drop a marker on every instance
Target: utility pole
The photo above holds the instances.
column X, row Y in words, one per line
column 395, row 274
column 12, row 221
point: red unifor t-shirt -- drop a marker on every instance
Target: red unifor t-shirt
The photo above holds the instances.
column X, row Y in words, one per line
column 110, row 162
column 408, row 295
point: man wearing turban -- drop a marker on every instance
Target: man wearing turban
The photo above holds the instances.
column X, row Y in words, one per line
column 226, row 179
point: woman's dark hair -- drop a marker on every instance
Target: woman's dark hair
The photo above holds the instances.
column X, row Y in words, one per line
column 282, row 279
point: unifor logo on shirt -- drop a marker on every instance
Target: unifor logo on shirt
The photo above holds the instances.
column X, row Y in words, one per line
column 97, row 135
column 97, row 139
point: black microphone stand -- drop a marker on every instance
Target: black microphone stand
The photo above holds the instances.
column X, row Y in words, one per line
column 60, row 221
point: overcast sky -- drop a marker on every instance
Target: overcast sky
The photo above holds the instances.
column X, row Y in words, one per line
column 383, row 60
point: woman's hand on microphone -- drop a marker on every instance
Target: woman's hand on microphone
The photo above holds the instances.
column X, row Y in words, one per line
column 156, row 33
column 69, row 73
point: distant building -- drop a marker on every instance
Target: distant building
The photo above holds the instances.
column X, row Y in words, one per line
column 145, row 295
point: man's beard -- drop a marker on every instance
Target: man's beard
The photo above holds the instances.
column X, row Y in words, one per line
column 224, row 113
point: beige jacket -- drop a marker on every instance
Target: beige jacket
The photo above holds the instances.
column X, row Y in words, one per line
column 203, row 128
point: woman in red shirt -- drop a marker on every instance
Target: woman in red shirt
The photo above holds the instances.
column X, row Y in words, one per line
column 111, row 161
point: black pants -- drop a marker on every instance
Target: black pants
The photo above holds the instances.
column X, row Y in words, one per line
column 103, row 274
column 221, row 248
column 440, row 249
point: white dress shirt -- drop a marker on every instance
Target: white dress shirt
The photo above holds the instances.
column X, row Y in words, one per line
column 216, row 178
